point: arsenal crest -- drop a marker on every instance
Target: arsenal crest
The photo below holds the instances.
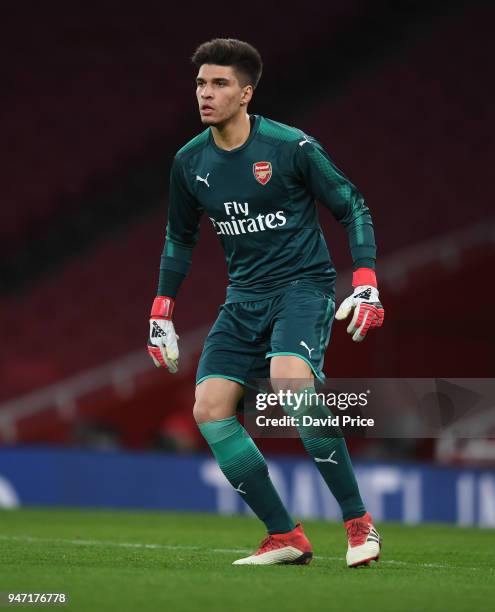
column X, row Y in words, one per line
column 262, row 172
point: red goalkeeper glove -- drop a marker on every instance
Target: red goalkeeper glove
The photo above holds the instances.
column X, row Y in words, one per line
column 364, row 303
column 162, row 341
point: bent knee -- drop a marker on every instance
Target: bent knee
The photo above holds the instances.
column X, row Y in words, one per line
column 289, row 366
column 205, row 410
column 289, row 372
column 216, row 398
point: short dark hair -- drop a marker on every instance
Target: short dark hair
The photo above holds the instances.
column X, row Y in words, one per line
column 242, row 56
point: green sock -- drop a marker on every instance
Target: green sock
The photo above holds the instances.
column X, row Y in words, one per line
column 331, row 457
column 245, row 468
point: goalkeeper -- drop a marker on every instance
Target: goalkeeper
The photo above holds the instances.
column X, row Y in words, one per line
column 257, row 180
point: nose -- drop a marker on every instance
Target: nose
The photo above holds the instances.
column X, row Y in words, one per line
column 206, row 92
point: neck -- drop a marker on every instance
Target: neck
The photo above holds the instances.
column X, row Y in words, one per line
column 233, row 133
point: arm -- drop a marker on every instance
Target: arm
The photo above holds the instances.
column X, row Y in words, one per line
column 182, row 234
column 328, row 184
column 184, row 215
column 331, row 187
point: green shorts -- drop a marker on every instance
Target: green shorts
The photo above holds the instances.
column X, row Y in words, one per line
column 246, row 334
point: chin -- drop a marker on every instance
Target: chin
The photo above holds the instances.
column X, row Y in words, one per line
column 208, row 120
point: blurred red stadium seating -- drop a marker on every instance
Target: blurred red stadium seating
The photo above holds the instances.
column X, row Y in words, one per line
column 414, row 133
column 88, row 88
column 427, row 332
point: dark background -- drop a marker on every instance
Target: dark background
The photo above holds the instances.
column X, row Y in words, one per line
column 96, row 100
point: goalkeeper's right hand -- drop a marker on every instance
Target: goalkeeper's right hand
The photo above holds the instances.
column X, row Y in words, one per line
column 162, row 341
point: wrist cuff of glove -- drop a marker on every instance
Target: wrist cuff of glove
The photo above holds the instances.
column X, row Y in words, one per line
column 364, row 276
column 163, row 307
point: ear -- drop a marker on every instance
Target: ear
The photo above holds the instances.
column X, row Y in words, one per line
column 247, row 94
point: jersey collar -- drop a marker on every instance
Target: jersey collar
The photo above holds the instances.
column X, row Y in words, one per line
column 254, row 129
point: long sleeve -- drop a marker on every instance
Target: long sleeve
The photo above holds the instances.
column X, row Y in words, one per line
column 332, row 188
column 184, row 215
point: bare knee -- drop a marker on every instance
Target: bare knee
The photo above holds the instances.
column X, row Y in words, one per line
column 288, row 372
column 205, row 410
column 216, row 398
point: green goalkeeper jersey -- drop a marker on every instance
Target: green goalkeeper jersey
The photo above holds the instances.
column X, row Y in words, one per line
column 261, row 201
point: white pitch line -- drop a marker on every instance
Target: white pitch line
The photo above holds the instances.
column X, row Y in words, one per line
column 98, row 543
column 25, row 538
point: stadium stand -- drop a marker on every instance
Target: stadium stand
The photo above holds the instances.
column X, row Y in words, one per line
column 405, row 136
column 88, row 90
column 411, row 132
column 422, row 330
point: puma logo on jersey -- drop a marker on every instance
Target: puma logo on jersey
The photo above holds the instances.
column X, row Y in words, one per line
column 310, row 350
column 203, row 180
column 326, row 460
column 303, row 142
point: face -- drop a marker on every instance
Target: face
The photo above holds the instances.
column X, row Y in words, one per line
column 219, row 93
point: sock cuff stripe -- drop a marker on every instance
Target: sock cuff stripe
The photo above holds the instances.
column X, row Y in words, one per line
column 216, row 431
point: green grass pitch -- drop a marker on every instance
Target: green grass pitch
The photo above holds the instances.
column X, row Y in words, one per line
column 107, row 560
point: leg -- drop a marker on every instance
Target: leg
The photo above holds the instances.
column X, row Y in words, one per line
column 216, row 398
column 233, row 353
column 329, row 453
column 236, row 453
column 299, row 339
column 333, row 462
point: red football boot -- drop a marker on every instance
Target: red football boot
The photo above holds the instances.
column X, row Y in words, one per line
column 364, row 541
column 285, row 548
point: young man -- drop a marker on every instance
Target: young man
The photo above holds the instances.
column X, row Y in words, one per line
column 258, row 180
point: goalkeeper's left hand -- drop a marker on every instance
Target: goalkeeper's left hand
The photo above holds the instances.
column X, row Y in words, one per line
column 364, row 303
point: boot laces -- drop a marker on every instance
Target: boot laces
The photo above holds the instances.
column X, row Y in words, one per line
column 267, row 544
column 357, row 532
